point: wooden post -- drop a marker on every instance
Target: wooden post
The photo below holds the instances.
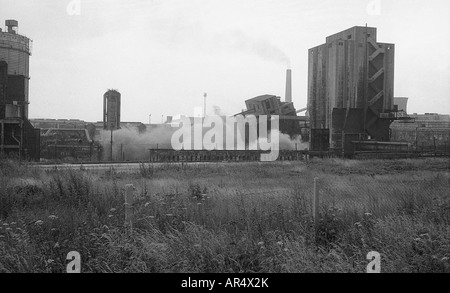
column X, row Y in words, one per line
column 129, row 200
column 316, row 205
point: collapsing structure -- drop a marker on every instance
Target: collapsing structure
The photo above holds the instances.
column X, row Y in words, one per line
column 18, row 136
column 350, row 90
column 290, row 123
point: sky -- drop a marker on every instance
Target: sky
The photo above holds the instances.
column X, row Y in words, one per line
column 163, row 55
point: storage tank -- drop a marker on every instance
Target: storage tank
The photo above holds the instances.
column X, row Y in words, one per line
column 111, row 110
column 15, row 50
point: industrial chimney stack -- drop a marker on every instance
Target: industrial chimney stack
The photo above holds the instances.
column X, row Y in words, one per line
column 288, row 97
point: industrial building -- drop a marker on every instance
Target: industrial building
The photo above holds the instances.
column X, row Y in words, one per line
column 350, row 90
column 111, row 110
column 66, row 140
column 351, row 110
column 290, row 123
column 429, row 132
column 18, row 137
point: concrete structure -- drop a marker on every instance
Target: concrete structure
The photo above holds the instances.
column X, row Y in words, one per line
column 350, row 89
column 68, row 144
column 17, row 134
column 290, row 123
column 111, row 110
column 269, row 105
column 45, row 124
column 288, row 96
column 401, row 104
column 428, row 132
column 67, row 140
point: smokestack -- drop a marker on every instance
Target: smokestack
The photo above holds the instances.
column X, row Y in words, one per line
column 288, row 97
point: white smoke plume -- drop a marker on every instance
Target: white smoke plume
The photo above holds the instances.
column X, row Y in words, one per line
column 262, row 48
column 134, row 146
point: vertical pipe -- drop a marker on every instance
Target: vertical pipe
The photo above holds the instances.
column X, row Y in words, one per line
column 366, row 82
column 204, row 104
column 111, row 147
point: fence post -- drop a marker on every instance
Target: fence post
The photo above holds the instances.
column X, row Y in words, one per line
column 129, row 200
column 316, row 201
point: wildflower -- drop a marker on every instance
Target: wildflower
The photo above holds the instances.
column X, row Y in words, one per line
column 52, row 217
column 39, row 222
column 279, row 243
column 285, row 249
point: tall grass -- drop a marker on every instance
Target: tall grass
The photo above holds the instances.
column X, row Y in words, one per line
column 228, row 218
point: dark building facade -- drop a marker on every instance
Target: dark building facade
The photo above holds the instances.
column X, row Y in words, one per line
column 17, row 136
column 350, row 89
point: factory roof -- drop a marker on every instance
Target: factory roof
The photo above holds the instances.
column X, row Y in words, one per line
column 262, row 98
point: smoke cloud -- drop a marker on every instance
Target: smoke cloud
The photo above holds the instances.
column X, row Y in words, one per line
column 134, row 146
column 262, row 48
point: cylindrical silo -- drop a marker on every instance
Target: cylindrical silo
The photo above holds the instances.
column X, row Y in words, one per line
column 15, row 50
column 111, row 110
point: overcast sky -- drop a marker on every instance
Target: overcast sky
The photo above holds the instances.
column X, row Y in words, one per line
column 162, row 55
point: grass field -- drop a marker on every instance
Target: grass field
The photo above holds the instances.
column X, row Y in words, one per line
column 220, row 218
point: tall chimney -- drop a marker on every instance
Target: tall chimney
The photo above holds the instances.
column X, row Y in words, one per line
column 288, row 97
